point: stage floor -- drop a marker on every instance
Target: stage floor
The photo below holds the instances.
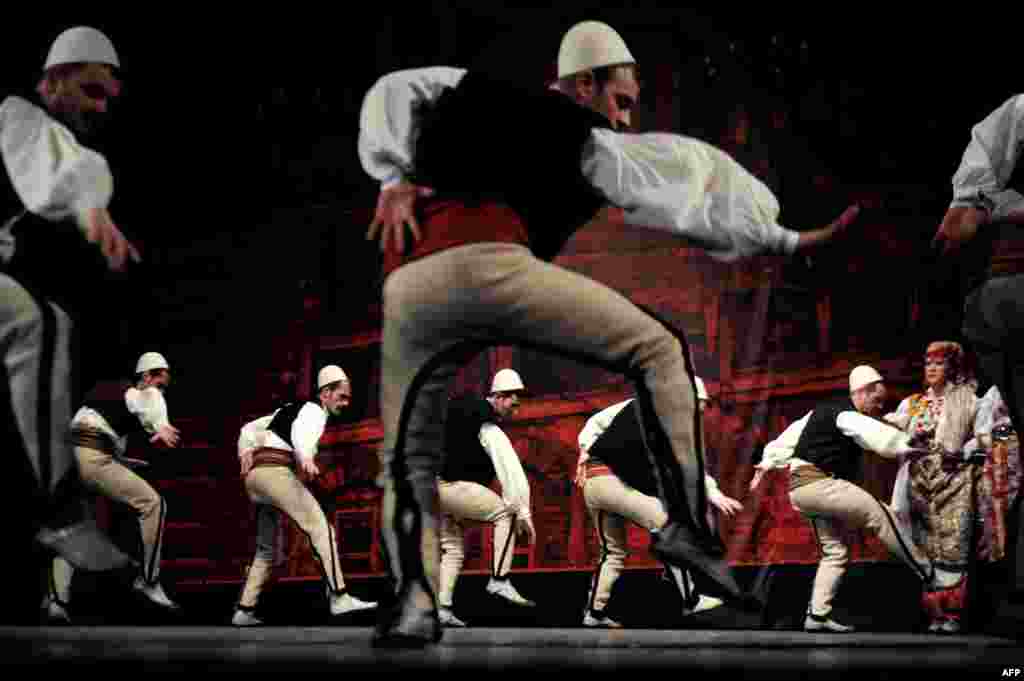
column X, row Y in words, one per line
column 517, row 651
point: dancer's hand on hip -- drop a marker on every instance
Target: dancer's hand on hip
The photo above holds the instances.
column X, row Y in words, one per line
column 524, row 528
column 726, row 505
column 959, row 226
column 309, row 469
column 396, row 208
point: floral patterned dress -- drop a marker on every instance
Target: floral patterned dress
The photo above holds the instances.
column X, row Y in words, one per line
column 936, row 492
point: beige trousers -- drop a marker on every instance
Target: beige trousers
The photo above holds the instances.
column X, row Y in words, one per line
column 276, row 490
column 463, row 501
column 833, row 505
column 102, row 474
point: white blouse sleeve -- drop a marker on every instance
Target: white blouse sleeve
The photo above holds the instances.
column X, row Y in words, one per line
column 779, row 451
column 595, row 427
column 515, row 488
column 995, row 148
column 689, row 188
column 873, row 435
column 307, row 429
column 149, row 406
column 387, row 121
column 252, row 435
column 54, row 176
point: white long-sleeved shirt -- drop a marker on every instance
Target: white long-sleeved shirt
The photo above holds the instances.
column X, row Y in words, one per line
column 597, row 424
column 148, row 404
column 868, row 433
column 662, row 181
column 307, row 429
column 388, row 122
column 54, row 176
column 515, row 488
column 996, row 146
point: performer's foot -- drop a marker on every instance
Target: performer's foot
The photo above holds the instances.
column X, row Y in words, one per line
column 448, row 618
column 245, row 617
column 598, row 620
column 502, row 588
column 54, row 612
column 820, row 623
column 405, row 625
column 951, row 626
column 154, row 593
column 935, row 627
column 345, row 603
column 676, row 545
column 84, row 546
column 703, row 603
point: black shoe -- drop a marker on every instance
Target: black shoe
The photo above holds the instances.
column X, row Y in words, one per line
column 676, row 545
column 407, row 627
column 84, row 546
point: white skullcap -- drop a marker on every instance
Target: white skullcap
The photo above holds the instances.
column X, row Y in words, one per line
column 590, row 45
column 81, row 44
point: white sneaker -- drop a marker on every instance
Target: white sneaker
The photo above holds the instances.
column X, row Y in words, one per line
column 935, row 627
column 54, row 612
column 599, row 622
column 950, row 627
column 243, row 618
column 155, row 594
column 346, row 603
column 448, row 618
column 825, row 623
column 703, row 603
column 502, row 588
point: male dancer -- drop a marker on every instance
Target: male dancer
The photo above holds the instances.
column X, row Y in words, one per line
column 270, row 450
column 479, row 276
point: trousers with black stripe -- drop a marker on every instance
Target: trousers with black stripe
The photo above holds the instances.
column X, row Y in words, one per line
column 440, row 310
column 35, row 338
column 612, row 503
column 103, row 475
column 462, row 501
column 277, row 491
column 834, row 505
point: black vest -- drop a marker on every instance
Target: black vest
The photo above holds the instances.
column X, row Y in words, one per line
column 621, row 447
column 108, row 400
column 465, row 459
column 824, row 445
column 492, row 139
column 281, row 424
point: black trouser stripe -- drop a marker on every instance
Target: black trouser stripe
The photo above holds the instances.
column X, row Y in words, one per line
column 334, row 565
column 817, row 538
column 44, row 416
column 601, row 519
column 899, row 538
column 316, row 554
column 505, row 549
column 153, row 558
column 409, row 550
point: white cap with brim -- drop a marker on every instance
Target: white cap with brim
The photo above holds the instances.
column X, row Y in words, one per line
column 330, row 374
column 862, row 376
column 591, row 45
column 79, row 45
